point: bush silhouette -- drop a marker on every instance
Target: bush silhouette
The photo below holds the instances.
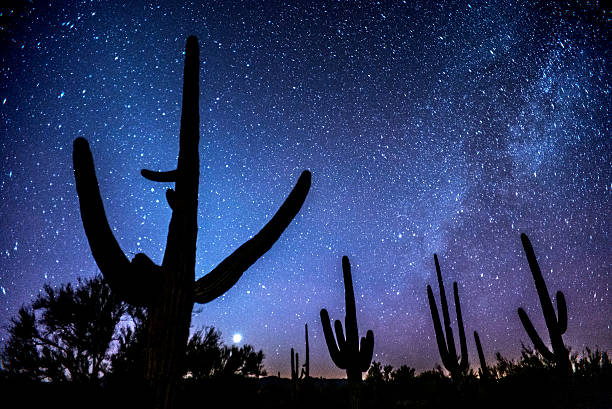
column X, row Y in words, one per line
column 65, row 335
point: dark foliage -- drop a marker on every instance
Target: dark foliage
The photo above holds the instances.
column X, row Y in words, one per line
column 65, row 335
column 127, row 362
column 204, row 354
column 529, row 382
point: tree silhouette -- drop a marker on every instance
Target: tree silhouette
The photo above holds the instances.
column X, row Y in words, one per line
column 204, row 357
column 127, row 362
column 65, row 335
column 208, row 357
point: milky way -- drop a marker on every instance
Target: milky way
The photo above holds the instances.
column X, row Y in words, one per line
column 445, row 129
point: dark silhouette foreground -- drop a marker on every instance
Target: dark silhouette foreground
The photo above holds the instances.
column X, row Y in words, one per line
column 529, row 382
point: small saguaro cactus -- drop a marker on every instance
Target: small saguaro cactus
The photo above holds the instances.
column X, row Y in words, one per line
column 556, row 324
column 169, row 290
column 484, row 369
column 348, row 353
column 296, row 375
column 448, row 353
column 295, row 366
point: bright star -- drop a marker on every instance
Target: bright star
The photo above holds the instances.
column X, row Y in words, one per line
column 237, row 338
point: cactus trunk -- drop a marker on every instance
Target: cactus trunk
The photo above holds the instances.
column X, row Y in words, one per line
column 168, row 329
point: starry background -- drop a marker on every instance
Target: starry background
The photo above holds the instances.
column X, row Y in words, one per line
column 447, row 128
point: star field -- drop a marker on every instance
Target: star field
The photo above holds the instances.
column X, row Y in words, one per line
column 445, row 129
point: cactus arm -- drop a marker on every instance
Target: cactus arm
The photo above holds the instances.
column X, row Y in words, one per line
column 105, row 249
column 366, row 350
column 561, row 312
column 556, row 326
column 350, row 321
column 340, row 335
column 135, row 282
column 481, row 357
column 171, row 198
column 297, row 365
column 463, row 365
column 450, row 340
column 227, row 273
column 169, row 176
column 535, row 338
column 334, row 352
column 545, row 302
column 438, row 328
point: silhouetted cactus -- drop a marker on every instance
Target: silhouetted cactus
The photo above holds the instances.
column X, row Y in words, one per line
column 295, row 366
column 306, row 369
column 296, row 375
column 295, row 363
column 448, row 353
column 348, row 353
column 557, row 325
column 170, row 290
column 484, row 369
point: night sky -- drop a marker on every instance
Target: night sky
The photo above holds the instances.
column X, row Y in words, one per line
column 445, row 129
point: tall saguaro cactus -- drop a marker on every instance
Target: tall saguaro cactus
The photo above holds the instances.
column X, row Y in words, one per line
column 448, row 353
column 348, row 353
column 169, row 290
column 556, row 324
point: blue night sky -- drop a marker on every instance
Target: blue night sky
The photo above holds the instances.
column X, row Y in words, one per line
column 447, row 128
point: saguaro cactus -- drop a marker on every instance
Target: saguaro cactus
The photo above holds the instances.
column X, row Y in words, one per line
column 556, row 324
column 484, row 369
column 448, row 353
column 169, row 290
column 306, row 369
column 348, row 353
column 295, row 366
column 296, row 375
